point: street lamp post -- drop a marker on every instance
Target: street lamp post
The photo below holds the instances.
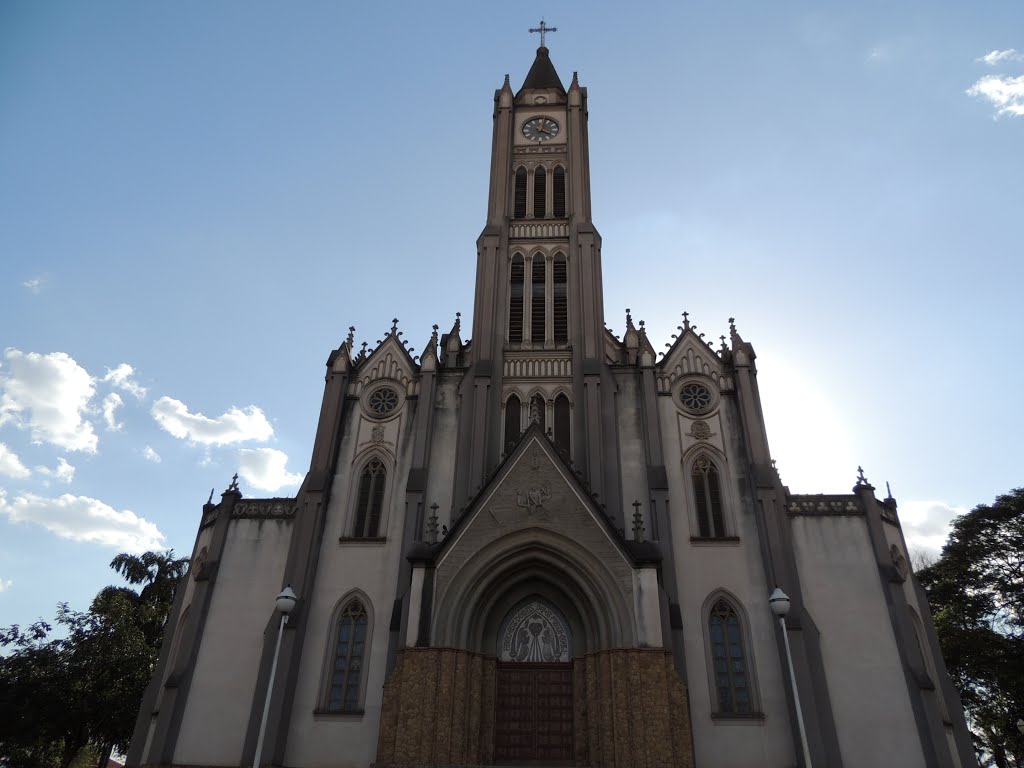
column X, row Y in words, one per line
column 284, row 604
column 779, row 602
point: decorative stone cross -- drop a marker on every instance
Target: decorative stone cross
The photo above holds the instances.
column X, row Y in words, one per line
column 543, row 29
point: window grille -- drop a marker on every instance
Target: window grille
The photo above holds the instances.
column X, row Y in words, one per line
column 537, row 308
column 561, row 300
column 515, row 302
column 558, row 193
column 540, row 193
column 519, row 204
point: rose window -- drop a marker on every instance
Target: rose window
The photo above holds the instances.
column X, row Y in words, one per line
column 383, row 401
column 696, row 397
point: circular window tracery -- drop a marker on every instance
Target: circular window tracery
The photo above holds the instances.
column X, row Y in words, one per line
column 695, row 397
column 382, row 401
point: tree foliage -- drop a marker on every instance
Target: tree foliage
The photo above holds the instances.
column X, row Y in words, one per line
column 60, row 694
column 976, row 593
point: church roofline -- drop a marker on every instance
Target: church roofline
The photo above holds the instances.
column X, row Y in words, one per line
column 542, row 74
column 637, row 553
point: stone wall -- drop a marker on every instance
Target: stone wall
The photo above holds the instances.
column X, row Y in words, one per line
column 632, row 711
column 438, row 709
column 631, row 708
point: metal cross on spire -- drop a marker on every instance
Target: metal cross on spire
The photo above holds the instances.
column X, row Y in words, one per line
column 543, row 29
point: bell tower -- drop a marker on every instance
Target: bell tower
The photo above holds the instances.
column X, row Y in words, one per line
column 538, row 321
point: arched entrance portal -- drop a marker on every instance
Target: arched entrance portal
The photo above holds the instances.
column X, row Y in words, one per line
column 534, row 686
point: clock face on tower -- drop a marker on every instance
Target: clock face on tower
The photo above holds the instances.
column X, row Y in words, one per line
column 540, row 129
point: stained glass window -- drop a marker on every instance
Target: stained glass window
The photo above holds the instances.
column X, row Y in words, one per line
column 729, row 660
column 349, row 652
column 370, row 500
column 707, row 494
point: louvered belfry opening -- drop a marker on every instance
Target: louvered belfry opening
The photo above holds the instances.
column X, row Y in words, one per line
column 537, row 309
column 515, row 301
column 513, row 421
column 519, row 210
column 540, row 193
column 558, row 193
column 561, row 300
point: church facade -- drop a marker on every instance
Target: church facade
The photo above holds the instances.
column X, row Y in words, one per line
column 543, row 545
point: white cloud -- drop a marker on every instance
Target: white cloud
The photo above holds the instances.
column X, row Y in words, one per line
column 81, row 518
column 926, row 525
column 63, row 471
column 1005, row 93
column 995, row 57
column 121, row 377
column 11, row 465
column 264, row 468
column 48, row 395
column 235, row 426
column 150, row 455
column 5, row 584
column 34, row 284
column 111, row 403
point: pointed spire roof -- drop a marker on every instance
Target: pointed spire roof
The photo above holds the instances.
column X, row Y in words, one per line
column 542, row 74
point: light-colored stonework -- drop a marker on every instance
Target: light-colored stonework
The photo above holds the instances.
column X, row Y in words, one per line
column 628, row 515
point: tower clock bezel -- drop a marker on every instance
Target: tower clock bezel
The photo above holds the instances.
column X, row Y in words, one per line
column 530, row 128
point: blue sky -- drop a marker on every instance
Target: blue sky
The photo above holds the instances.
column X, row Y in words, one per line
column 197, row 199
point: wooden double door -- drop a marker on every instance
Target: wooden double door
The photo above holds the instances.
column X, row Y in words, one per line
column 533, row 713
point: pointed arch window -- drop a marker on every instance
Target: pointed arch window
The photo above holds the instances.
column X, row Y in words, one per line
column 558, row 192
column 563, row 434
column 540, row 193
column 537, row 410
column 515, row 301
column 370, row 499
column 707, row 492
column 513, row 421
column 560, row 299
column 519, row 198
column 537, row 299
column 729, row 660
column 349, row 655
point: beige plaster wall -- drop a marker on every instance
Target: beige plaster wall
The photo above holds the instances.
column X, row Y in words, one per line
column 346, row 568
column 702, row 569
column 248, row 579
column 842, row 591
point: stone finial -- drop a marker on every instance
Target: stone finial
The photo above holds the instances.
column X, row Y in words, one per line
column 210, row 500
column 506, row 84
column 638, row 522
column 724, row 346
column 629, row 321
column 233, row 487
column 433, row 336
column 394, row 326
column 732, row 329
column 363, row 352
column 686, row 322
column 432, row 524
column 861, row 479
column 457, row 328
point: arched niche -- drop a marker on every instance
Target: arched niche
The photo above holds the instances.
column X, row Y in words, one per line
column 537, row 564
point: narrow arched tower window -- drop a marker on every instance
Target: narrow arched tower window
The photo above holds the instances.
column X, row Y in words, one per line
column 562, row 431
column 537, row 410
column 513, row 421
column 558, row 192
column 540, row 193
column 707, row 494
column 560, row 300
column 729, row 660
column 519, row 199
column 370, row 500
column 537, row 300
column 349, row 652
column 515, row 300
